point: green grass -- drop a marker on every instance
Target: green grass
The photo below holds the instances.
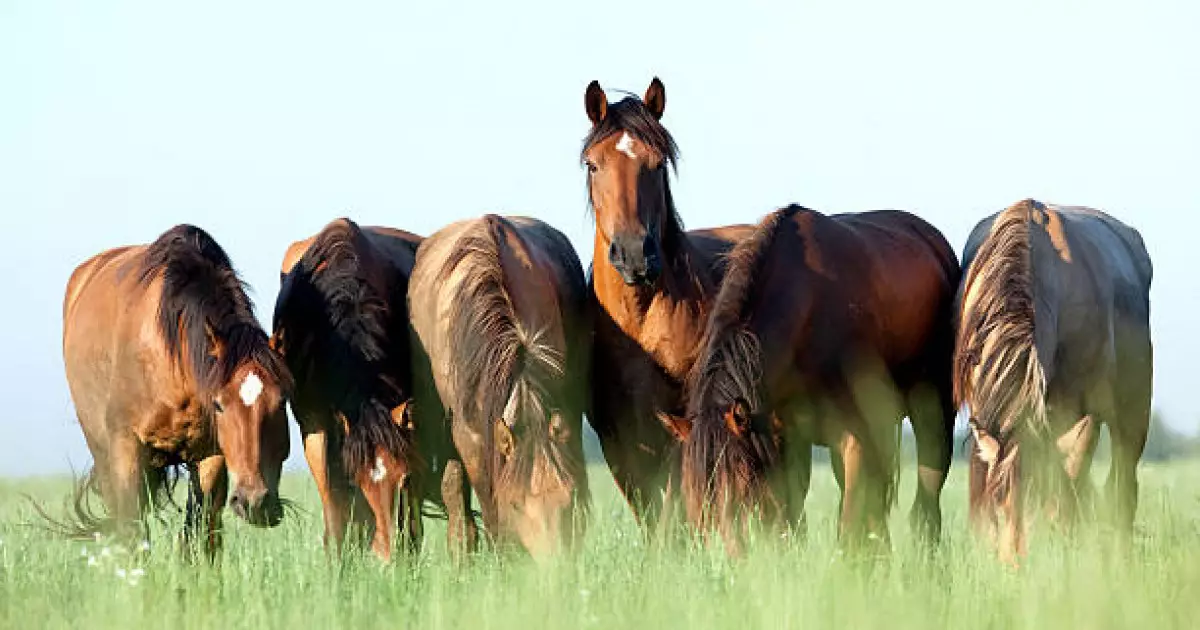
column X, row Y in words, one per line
column 281, row 579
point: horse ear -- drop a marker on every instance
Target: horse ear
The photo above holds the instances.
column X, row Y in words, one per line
column 737, row 418
column 678, row 426
column 504, row 437
column 656, row 98
column 402, row 415
column 344, row 422
column 988, row 446
column 596, row 102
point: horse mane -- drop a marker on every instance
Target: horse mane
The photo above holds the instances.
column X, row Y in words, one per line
column 500, row 369
column 336, row 337
column 728, row 372
column 996, row 337
column 630, row 115
column 205, row 316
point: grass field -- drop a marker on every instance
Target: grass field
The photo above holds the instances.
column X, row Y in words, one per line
column 281, row 579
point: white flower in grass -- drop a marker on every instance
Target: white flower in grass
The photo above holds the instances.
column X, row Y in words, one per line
column 92, row 561
column 137, row 573
column 121, row 573
column 106, row 552
column 83, row 552
column 145, row 546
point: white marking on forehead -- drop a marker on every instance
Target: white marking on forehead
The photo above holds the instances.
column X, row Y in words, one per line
column 379, row 471
column 625, row 145
column 251, row 388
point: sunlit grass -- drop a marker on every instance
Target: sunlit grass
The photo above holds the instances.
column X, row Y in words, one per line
column 281, row 578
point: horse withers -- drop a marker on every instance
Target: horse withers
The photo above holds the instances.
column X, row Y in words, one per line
column 341, row 323
column 1053, row 341
column 827, row 330
column 498, row 307
column 652, row 284
column 167, row 365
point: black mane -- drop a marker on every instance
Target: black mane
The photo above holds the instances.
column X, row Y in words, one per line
column 346, row 342
column 203, row 294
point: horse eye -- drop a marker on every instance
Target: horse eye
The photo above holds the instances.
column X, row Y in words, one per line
column 591, row 167
column 217, row 406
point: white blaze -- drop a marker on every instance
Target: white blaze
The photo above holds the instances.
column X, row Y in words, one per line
column 251, row 388
column 379, row 471
column 625, row 145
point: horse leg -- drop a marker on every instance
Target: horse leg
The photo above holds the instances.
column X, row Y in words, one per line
column 932, row 416
column 125, row 482
column 331, row 483
column 863, row 510
column 208, row 487
column 796, row 477
column 1130, row 424
column 410, row 515
column 461, row 531
column 1076, row 447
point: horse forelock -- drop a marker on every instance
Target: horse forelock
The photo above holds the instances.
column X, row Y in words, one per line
column 205, row 317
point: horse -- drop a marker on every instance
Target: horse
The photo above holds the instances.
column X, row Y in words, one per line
column 168, row 366
column 651, row 286
column 828, row 330
column 341, row 324
column 1053, row 341
column 499, row 312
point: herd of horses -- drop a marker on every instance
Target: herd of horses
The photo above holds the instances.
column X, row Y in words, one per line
column 708, row 362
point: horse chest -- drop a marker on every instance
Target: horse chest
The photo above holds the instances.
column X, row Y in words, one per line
column 175, row 435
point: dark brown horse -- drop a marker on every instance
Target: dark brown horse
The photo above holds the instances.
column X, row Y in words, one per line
column 652, row 283
column 827, row 330
column 167, row 365
column 499, row 308
column 1053, row 341
column 341, row 323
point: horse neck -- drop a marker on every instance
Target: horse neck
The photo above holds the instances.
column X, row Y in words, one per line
column 684, row 288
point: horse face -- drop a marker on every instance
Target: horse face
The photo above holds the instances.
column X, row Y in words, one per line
column 627, row 181
column 252, row 432
column 724, row 472
column 540, row 478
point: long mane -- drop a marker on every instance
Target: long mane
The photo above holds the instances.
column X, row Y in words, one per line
column 501, row 370
column 204, row 316
column 728, row 372
column 997, row 371
column 336, row 331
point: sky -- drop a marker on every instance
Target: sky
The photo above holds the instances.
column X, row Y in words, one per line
column 260, row 122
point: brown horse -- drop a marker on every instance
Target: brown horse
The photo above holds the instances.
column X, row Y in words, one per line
column 827, row 330
column 499, row 308
column 167, row 365
column 652, row 283
column 1053, row 341
column 341, row 323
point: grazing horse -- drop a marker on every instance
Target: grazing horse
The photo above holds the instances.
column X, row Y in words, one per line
column 341, row 323
column 167, row 365
column 499, row 308
column 1053, row 341
column 651, row 283
column 826, row 330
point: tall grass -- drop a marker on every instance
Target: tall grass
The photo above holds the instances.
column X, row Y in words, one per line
column 281, row 578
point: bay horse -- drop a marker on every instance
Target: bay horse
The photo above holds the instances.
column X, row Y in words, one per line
column 341, row 324
column 827, row 330
column 651, row 285
column 168, row 366
column 1053, row 341
column 498, row 308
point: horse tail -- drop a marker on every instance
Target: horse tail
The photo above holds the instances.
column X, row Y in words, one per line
column 83, row 521
column 728, row 373
column 997, row 371
column 203, row 300
column 335, row 323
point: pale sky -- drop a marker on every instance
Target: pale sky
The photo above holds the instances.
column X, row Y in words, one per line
column 262, row 121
